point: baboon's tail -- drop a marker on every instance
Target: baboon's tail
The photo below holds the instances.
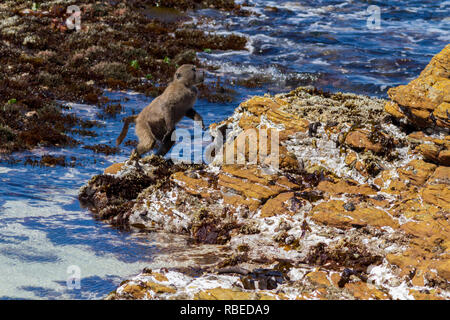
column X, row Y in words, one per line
column 124, row 132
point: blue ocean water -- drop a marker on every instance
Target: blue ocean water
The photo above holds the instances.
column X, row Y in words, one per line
column 328, row 44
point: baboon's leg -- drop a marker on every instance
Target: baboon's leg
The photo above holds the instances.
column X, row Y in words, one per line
column 192, row 114
column 145, row 146
column 166, row 144
column 146, row 142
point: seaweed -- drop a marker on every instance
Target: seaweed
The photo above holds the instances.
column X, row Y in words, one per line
column 344, row 255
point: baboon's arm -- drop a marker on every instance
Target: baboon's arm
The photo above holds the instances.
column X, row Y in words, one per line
column 194, row 115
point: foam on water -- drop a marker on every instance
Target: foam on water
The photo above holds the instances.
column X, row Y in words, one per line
column 332, row 39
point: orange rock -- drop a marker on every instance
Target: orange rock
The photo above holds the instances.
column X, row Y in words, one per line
column 442, row 114
column 335, row 277
column 291, row 122
column 254, row 146
column 159, row 288
column 429, row 151
column 437, row 194
column 428, row 230
column 350, row 159
column 319, row 278
column 426, row 94
column 397, row 187
column 259, row 105
column 379, row 182
column 196, row 186
column 322, row 293
column 420, row 116
column 359, row 289
column 443, row 268
column 227, row 294
column 332, row 213
column 113, row 169
column 418, row 137
column 249, row 122
column 365, row 291
column 281, row 204
column 345, row 187
column 418, row 279
column 417, row 261
column 416, row 209
column 394, row 109
column 378, row 203
column 424, row 296
column 359, row 140
column 440, row 176
column 135, row 290
column 252, row 183
column 444, row 157
column 416, row 172
column 361, row 168
column 403, row 261
column 238, row 201
column 272, row 109
column 444, row 143
column 159, row 277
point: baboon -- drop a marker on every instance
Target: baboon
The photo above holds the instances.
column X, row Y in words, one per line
column 158, row 120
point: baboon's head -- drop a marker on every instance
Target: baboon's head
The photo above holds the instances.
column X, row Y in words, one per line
column 189, row 75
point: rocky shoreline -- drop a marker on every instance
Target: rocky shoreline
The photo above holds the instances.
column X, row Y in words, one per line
column 358, row 209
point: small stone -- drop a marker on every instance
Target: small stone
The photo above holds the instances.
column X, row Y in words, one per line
column 147, row 271
column 340, row 139
column 289, row 239
column 30, row 114
column 349, row 206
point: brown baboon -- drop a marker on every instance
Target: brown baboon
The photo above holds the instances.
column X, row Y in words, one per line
column 158, row 120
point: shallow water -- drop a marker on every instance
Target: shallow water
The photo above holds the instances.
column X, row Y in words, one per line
column 43, row 230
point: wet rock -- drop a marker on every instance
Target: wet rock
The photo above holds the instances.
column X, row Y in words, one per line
column 427, row 97
column 263, row 279
column 284, row 203
column 345, row 187
column 253, row 183
column 444, row 157
column 226, row 294
column 359, row 140
column 429, row 151
column 319, row 278
column 332, row 213
column 437, row 194
column 112, row 197
column 416, row 172
column 113, row 169
column 371, row 213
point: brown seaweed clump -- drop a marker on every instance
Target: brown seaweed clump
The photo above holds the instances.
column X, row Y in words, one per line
column 112, row 198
